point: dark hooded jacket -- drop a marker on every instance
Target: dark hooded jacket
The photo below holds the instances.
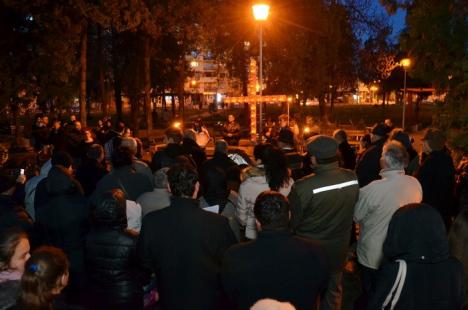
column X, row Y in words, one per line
column 111, row 263
column 437, row 177
column 368, row 165
column 434, row 279
column 64, row 218
column 167, row 156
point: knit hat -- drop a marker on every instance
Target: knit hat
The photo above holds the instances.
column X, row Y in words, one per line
column 286, row 136
column 322, row 147
column 380, row 130
column 435, row 138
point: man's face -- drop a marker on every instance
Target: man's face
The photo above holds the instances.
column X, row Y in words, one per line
column 231, row 118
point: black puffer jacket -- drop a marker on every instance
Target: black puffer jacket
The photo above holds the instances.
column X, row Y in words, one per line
column 111, row 265
column 434, row 279
column 63, row 220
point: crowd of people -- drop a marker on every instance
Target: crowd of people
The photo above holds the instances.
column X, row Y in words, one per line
column 98, row 227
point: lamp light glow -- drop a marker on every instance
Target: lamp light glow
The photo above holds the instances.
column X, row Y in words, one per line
column 261, row 11
column 405, row 62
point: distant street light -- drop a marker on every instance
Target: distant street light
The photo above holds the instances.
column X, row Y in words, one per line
column 405, row 63
column 260, row 12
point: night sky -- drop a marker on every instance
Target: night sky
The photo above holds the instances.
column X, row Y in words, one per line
column 397, row 20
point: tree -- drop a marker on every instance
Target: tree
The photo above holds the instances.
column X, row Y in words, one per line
column 436, row 40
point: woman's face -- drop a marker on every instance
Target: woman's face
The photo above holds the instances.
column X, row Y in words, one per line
column 20, row 256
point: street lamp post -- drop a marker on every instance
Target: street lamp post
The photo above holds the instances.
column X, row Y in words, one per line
column 405, row 63
column 261, row 12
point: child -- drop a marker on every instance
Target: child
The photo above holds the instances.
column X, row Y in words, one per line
column 44, row 278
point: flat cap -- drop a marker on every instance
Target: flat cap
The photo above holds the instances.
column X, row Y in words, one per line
column 322, row 147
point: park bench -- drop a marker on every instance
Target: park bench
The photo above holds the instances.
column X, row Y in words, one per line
column 354, row 136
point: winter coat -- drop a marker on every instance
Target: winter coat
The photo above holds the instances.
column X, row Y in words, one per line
column 167, row 156
column 89, row 173
column 276, row 265
column 31, row 186
column 347, row 155
column 368, row 165
column 184, row 245
column 437, row 177
column 195, row 151
column 254, row 184
column 63, row 219
column 8, row 294
column 416, row 234
column 322, row 206
column 112, row 268
column 219, row 160
column 13, row 215
column 132, row 183
column 231, row 133
column 377, row 202
column 228, row 210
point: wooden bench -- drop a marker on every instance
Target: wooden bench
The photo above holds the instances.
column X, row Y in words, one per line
column 354, row 136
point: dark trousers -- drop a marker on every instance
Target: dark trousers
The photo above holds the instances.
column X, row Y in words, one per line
column 368, row 278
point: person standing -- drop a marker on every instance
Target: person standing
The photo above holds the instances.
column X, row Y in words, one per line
column 111, row 261
column 437, row 174
column 183, row 245
column 346, row 152
column 271, row 173
column 277, row 264
column 368, row 165
column 377, row 202
column 322, row 206
column 418, row 255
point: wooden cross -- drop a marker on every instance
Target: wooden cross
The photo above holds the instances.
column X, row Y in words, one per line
column 252, row 99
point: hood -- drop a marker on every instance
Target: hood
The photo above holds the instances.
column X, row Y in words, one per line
column 417, row 233
column 60, row 182
column 46, row 168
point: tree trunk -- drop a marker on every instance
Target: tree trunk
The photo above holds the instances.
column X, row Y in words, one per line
column 102, row 85
column 117, row 77
column 173, row 105
column 147, row 83
column 135, row 106
column 83, row 62
column 181, row 105
column 163, row 101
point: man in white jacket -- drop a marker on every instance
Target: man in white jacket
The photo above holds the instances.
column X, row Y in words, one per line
column 377, row 203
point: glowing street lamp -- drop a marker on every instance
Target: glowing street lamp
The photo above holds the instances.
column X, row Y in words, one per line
column 260, row 12
column 405, row 63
